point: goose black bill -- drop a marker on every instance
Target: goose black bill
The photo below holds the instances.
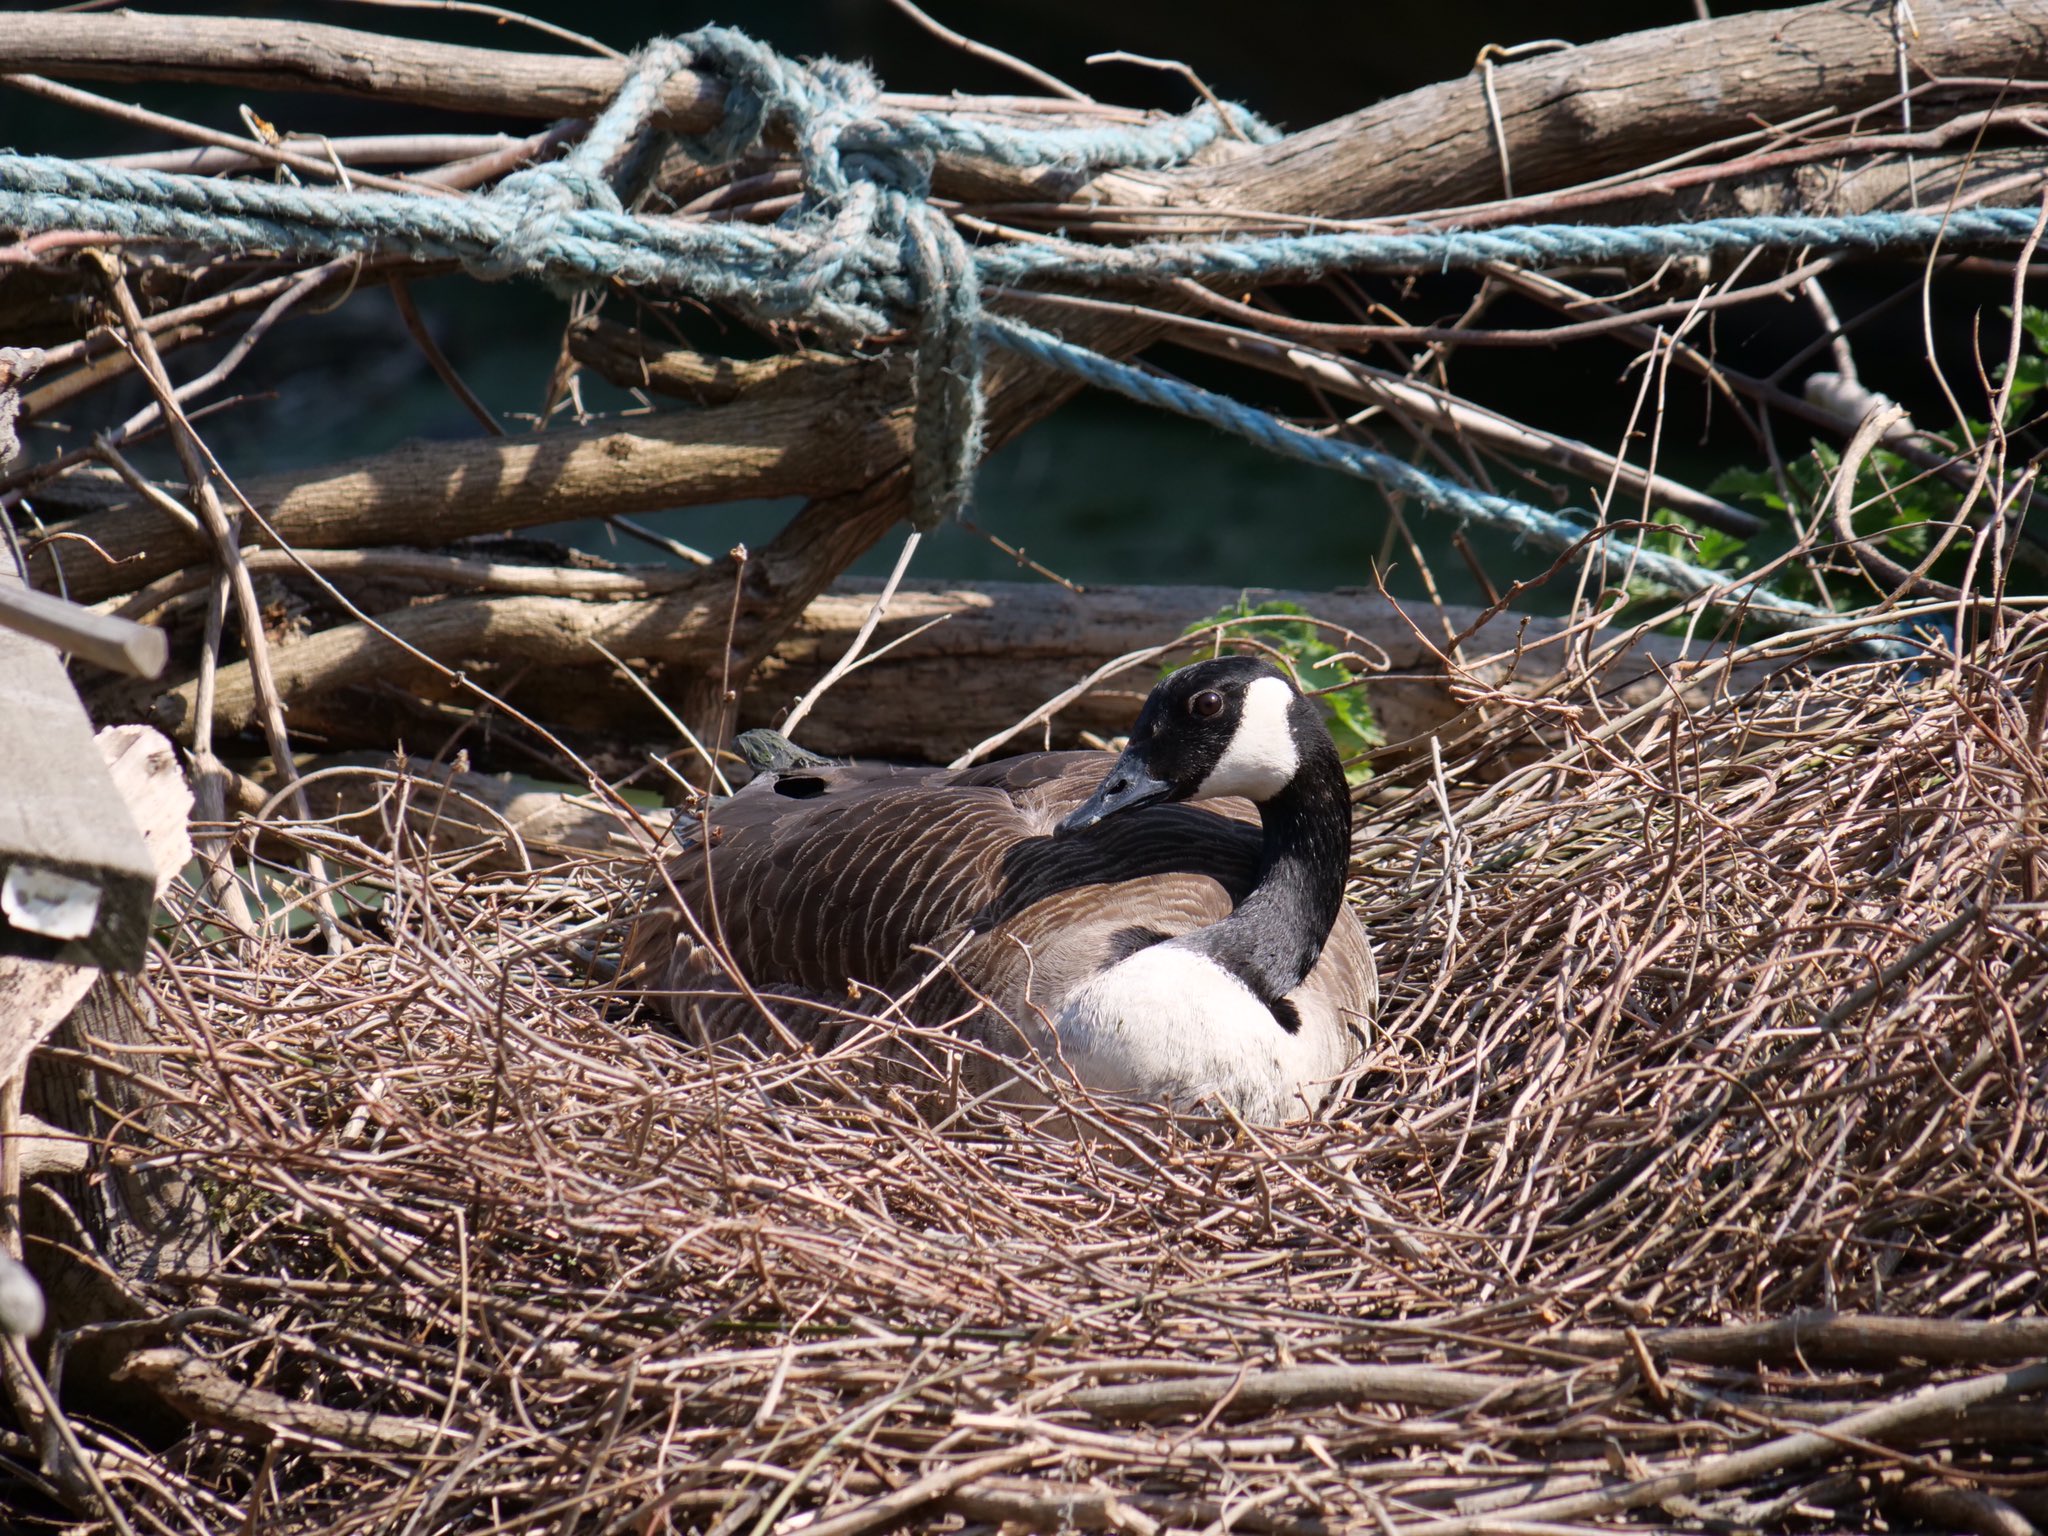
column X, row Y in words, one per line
column 1129, row 785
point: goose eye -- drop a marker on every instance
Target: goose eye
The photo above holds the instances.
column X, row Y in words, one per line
column 1206, row 705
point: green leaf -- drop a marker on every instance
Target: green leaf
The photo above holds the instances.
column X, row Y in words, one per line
column 1694, row 542
column 1750, row 484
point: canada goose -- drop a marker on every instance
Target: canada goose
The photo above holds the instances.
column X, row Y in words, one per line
column 1166, row 951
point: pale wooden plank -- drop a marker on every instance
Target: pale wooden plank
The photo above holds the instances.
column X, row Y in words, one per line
column 62, row 820
column 144, row 777
column 119, row 645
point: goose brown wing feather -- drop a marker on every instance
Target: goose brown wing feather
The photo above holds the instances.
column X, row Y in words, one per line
column 847, row 873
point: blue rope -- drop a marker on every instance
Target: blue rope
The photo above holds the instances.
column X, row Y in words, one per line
column 876, row 242
column 771, row 271
column 1274, row 258
column 765, row 89
column 863, row 246
column 1523, row 522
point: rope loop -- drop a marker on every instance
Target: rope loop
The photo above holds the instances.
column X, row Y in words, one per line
column 869, row 231
column 603, row 174
column 945, row 445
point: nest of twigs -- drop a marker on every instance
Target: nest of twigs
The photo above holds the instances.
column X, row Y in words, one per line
column 1712, row 1015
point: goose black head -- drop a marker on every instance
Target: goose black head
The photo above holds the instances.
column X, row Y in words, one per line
column 1232, row 726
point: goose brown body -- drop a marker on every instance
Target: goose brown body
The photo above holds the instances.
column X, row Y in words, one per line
column 822, row 877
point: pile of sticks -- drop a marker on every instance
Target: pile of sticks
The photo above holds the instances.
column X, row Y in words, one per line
column 1715, row 1011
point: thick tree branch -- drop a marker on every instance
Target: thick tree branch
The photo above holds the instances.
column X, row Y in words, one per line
column 931, row 696
column 1614, row 105
column 1567, row 116
column 797, row 441
column 257, row 55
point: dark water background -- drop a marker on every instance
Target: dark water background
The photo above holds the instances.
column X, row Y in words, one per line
column 1103, row 491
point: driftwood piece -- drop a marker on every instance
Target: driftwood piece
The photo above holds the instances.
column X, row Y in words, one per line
column 999, row 650
column 792, row 441
column 75, row 876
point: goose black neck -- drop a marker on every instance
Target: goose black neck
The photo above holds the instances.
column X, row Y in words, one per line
column 1274, row 937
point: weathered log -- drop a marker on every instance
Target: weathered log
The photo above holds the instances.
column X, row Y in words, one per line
column 1001, row 649
column 792, row 441
column 1626, row 102
column 255, row 55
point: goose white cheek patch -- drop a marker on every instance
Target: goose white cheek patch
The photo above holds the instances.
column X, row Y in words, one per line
column 1261, row 757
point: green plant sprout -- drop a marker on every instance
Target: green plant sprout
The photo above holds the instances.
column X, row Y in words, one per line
column 1895, row 501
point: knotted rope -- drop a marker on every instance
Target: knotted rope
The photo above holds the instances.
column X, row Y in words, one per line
column 1554, row 530
column 864, row 247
